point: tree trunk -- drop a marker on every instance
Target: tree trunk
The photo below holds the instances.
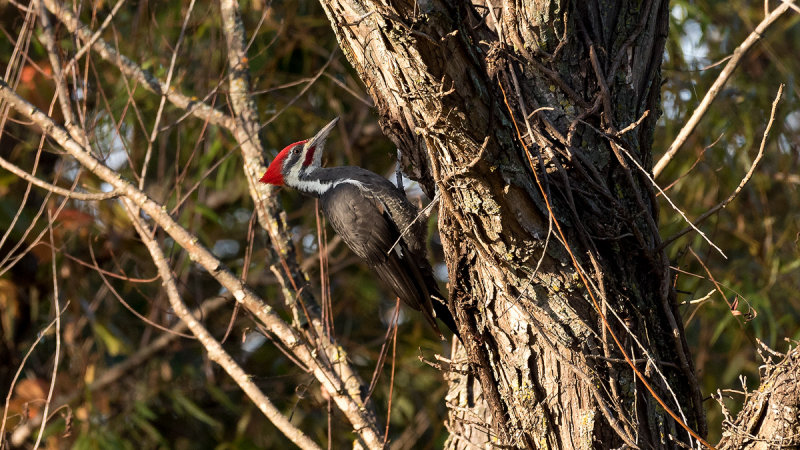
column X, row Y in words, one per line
column 533, row 122
column 770, row 417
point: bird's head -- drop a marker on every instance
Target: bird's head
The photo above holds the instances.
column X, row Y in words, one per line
column 298, row 159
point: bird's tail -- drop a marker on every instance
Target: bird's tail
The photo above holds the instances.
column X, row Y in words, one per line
column 443, row 313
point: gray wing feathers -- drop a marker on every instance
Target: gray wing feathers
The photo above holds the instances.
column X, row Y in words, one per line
column 365, row 225
column 359, row 223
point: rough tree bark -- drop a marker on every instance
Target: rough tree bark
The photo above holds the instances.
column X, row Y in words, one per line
column 533, row 122
column 771, row 415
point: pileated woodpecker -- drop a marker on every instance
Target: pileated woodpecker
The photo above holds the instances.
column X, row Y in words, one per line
column 372, row 216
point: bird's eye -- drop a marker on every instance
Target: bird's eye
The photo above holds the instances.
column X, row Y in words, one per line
column 297, row 149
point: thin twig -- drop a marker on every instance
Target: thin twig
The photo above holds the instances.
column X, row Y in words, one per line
column 715, row 89
column 422, row 214
column 168, row 85
column 391, row 377
column 16, row 170
column 215, row 351
column 345, row 389
column 131, row 69
column 48, row 36
column 39, row 337
column 675, row 207
column 732, row 307
column 57, row 355
column 699, row 302
column 384, row 349
column 633, row 125
column 742, row 183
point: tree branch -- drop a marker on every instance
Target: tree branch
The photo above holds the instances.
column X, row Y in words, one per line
column 246, row 134
column 748, row 175
column 346, row 390
column 128, row 67
column 215, row 351
column 5, row 164
column 715, row 89
column 769, row 416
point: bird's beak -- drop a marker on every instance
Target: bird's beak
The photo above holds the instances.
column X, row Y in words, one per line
column 319, row 139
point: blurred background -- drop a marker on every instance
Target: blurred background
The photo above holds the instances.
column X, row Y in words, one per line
column 175, row 397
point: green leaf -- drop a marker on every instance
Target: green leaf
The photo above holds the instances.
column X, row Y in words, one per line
column 195, row 411
column 114, row 346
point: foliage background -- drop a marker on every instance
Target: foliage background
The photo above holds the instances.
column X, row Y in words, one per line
column 179, row 399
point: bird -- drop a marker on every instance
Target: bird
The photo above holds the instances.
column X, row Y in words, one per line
column 372, row 216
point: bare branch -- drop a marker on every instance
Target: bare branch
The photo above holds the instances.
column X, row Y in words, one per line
column 39, row 337
column 768, row 417
column 742, row 183
column 57, row 311
column 344, row 388
column 58, row 77
column 168, row 84
column 715, row 89
column 246, row 134
column 214, row 348
column 53, row 188
column 786, row 2
column 128, row 67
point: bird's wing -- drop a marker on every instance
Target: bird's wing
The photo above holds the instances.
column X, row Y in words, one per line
column 359, row 221
column 364, row 224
